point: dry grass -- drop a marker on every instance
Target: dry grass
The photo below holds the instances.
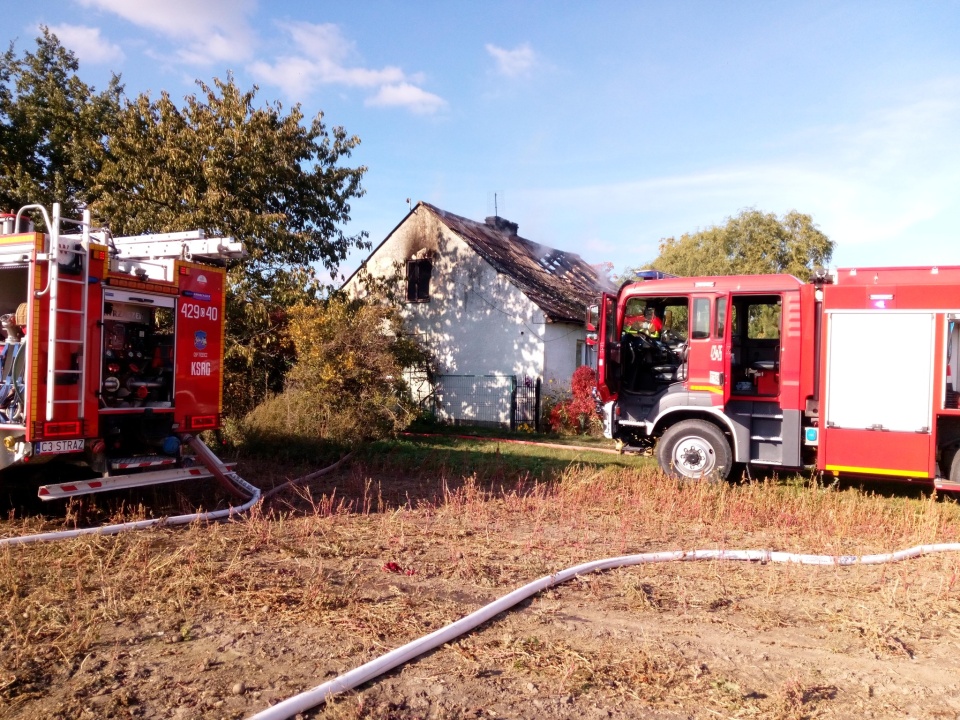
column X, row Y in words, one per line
column 144, row 624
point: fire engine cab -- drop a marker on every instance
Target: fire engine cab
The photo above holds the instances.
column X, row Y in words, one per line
column 112, row 350
column 852, row 373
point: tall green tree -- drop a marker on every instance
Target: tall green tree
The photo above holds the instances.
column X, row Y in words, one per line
column 224, row 164
column 230, row 166
column 751, row 243
column 53, row 127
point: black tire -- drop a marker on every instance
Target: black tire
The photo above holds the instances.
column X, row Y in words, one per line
column 955, row 468
column 694, row 450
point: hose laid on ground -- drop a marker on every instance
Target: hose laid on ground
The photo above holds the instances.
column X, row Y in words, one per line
column 307, row 478
column 378, row 666
column 229, row 480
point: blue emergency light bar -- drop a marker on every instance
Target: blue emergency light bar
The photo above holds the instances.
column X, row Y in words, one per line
column 652, row 275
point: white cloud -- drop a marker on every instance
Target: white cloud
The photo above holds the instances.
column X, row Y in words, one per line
column 206, row 31
column 321, row 41
column 87, row 44
column 217, row 31
column 409, row 96
column 325, row 57
column 299, row 75
column 294, row 76
column 513, row 63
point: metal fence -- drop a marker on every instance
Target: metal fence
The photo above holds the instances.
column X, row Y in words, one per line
column 488, row 400
column 526, row 404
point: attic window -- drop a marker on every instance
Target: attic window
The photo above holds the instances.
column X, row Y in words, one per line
column 418, row 280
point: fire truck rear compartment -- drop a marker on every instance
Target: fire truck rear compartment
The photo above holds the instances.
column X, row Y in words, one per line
column 137, row 368
column 878, row 398
column 132, row 433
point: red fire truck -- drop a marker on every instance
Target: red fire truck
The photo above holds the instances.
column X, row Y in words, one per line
column 113, row 350
column 852, row 373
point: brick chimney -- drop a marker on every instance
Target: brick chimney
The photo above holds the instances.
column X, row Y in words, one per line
column 495, row 221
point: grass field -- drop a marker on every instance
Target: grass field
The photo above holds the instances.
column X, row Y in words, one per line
column 217, row 621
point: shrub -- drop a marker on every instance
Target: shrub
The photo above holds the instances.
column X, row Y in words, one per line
column 347, row 384
column 576, row 412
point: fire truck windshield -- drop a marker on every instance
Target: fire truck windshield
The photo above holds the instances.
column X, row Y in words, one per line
column 671, row 312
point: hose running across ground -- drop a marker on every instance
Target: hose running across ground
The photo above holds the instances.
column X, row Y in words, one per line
column 232, row 482
column 378, row 666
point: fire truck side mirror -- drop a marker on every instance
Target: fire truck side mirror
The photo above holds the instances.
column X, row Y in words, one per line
column 593, row 312
column 592, row 338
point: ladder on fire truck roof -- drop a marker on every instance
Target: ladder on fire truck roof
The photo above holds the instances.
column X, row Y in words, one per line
column 187, row 245
column 153, row 255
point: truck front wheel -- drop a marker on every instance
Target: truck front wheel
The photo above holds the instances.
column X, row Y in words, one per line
column 694, row 449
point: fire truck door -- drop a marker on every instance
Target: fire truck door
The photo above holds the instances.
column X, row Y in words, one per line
column 608, row 351
column 705, row 356
column 722, row 343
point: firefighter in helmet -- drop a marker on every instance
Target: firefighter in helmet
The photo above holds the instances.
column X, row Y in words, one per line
column 649, row 324
column 652, row 325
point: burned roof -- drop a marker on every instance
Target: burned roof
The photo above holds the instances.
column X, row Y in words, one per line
column 561, row 284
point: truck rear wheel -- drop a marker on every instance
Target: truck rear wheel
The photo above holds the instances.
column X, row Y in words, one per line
column 693, row 450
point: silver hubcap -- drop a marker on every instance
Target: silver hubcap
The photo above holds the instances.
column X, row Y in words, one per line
column 694, row 457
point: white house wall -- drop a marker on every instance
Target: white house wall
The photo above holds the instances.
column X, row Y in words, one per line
column 562, row 354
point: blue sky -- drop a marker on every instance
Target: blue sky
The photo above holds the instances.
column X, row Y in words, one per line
column 600, row 127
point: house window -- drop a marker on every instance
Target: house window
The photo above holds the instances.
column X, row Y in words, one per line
column 418, row 280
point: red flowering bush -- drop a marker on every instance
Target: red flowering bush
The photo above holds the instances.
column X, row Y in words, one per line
column 576, row 412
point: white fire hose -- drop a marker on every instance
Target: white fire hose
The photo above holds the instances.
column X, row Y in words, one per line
column 378, row 666
column 230, row 480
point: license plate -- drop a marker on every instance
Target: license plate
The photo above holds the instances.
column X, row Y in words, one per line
column 48, row 447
